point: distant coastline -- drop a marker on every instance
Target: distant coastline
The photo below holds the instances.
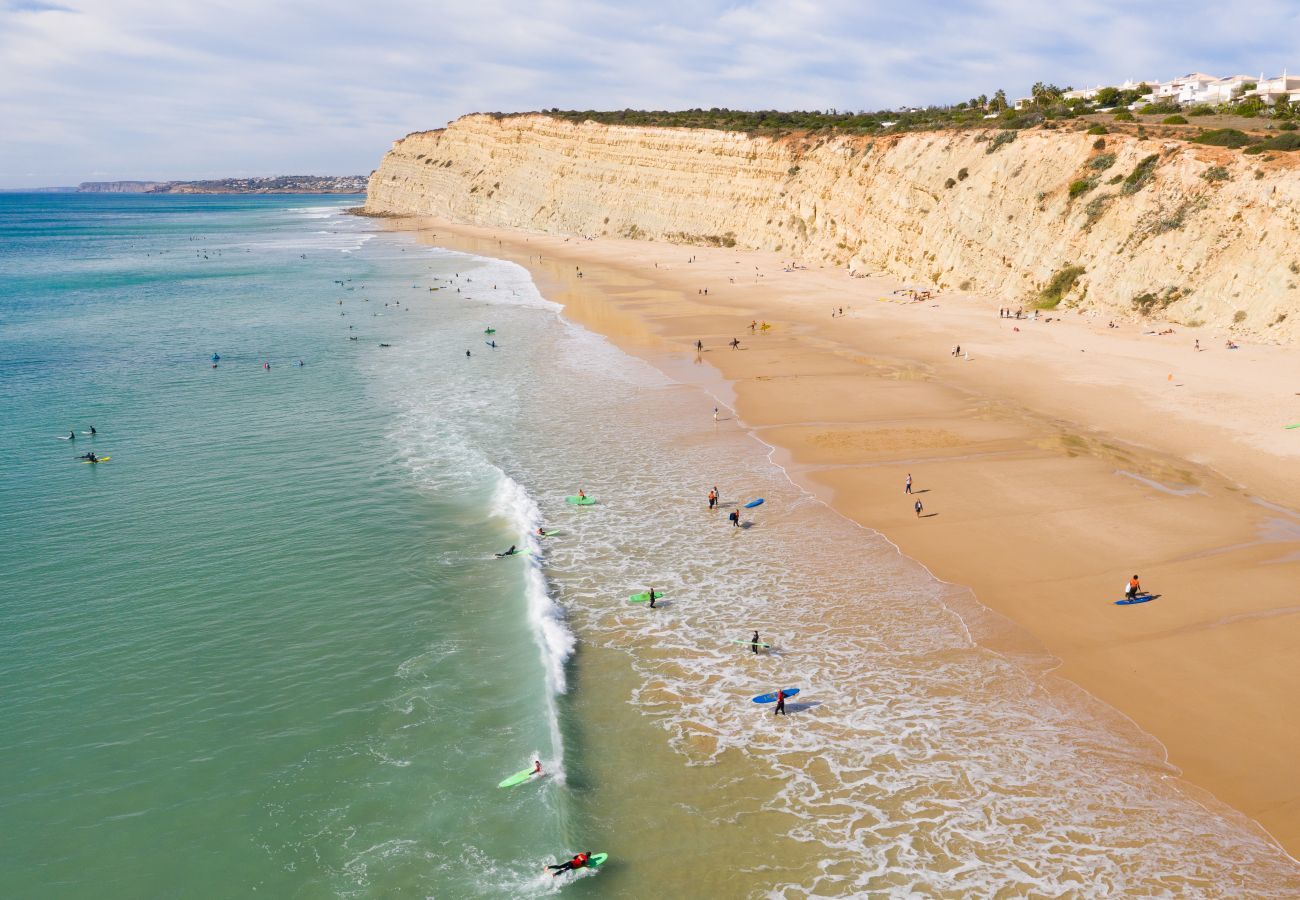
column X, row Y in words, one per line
column 279, row 184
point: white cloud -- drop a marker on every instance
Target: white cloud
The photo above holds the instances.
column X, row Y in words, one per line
column 141, row 89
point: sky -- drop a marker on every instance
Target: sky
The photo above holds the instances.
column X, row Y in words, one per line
column 101, row 90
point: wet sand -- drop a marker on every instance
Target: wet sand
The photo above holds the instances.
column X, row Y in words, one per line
column 1053, row 461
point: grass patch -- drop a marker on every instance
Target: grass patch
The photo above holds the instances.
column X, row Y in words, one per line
column 1216, row 173
column 1223, row 137
column 1103, row 162
column 1140, row 176
column 1000, row 140
column 1173, row 120
column 1098, row 129
column 1095, row 208
column 1081, row 186
column 1060, row 285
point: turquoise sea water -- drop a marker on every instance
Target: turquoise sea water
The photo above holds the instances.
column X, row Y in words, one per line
column 267, row 648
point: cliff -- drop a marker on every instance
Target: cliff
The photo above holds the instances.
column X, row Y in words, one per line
column 1183, row 232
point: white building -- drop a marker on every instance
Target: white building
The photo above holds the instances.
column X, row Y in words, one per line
column 1224, row 90
column 1284, row 86
column 1183, row 89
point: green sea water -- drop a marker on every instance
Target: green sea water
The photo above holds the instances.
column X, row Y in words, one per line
column 233, row 658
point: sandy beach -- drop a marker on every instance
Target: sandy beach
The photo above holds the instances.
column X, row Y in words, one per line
column 1053, row 460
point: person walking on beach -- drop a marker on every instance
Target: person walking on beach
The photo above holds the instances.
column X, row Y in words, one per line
column 713, row 499
column 753, row 325
column 735, row 518
column 919, row 509
column 780, row 703
column 1132, row 589
column 753, row 644
column 907, row 488
column 699, row 346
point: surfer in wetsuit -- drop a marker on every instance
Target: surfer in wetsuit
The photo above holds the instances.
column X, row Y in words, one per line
column 576, row 863
column 651, row 594
column 89, row 457
column 754, row 643
column 780, row 704
column 511, row 552
column 72, row 435
column 537, row 767
column 92, row 431
column 735, row 518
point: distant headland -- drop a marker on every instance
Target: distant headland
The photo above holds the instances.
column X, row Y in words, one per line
column 278, row 184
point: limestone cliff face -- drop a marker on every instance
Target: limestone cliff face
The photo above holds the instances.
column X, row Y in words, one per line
column 957, row 210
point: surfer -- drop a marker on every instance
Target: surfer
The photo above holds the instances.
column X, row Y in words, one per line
column 651, row 594
column 582, row 495
column 541, row 532
column 511, row 552
column 89, row 457
column 467, row 353
column 780, row 704
column 1132, row 589
column 72, row 435
column 735, row 518
column 537, row 767
column 713, row 499
column 576, row 863
column 92, row 431
column 753, row 644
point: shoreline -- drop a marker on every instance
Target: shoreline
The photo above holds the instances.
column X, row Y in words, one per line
column 850, row 404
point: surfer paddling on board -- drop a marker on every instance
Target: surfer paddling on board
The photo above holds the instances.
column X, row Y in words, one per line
column 511, row 552
column 1132, row 589
column 537, row 767
column 577, row 862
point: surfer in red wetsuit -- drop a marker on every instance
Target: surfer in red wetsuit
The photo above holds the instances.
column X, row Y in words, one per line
column 537, row 767
column 780, row 704
column 576, row 863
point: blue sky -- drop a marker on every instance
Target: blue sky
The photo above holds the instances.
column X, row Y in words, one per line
column 122, row 89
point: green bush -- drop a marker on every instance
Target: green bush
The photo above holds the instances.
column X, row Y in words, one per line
column 1201, row 109
column 1160, row 109
column 1099, row 144
column 1001, row 139
column 1173, row 120
column 1288, row 126
column 1223, row 137
column 1116, row 180
column 1098, row 129
column 1123, row 116
column 1141, row 174
column 1081, row 186
column 1216, row 173
column 1103, row 162
column 1284, row 142
column 1060, row 285
column 962, row 174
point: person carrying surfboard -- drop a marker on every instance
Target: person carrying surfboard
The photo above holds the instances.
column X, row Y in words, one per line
column 1132, row 589
column 735, row 518
column 651, row 594
column 576, row 863
column 754, row 644
column 780, row 701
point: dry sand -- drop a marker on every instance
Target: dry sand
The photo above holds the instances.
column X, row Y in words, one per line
column 1054, row 462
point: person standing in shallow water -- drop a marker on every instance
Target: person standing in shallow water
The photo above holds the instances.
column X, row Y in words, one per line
column 753, row 645
column 713, row 498
column 735, row 518
column 780, row 704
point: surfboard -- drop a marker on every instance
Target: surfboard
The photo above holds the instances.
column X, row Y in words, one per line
column 489, row 331
column 580, row 501
column 597, row 859
column 91, row 462
column 771, row 698
column 516, row 553
column 1141, row 598
column 517, row 778
column 643, row 597
column 752, row 503
column 1289, row 427
column 760, row 644
column 551, row 534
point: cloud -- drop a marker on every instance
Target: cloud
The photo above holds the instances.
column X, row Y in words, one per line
column 140, row 89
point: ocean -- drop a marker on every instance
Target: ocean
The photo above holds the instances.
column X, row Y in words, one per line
column 268, row 647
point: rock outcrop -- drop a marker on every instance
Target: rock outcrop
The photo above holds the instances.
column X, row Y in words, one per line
column 1178, row 231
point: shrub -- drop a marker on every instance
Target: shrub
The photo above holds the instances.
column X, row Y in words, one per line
column 1160, row 109
column 1081, row 186
column 1201, row 109
column 1001, row 139
column 1141, row 174
column 1060, row 285
column 1103, row 162
column 1150, row 302
column 950, row 183
column 1098, row 129
column 1238, row 317
column 1288, row 126
column 792, row 171
column 1123, row 116
column 1099, row 144
column 1215, row 173
column 1096, row 206
column 962, row 174
column 1286, row 142
column 1173, row 120
column 1223, row 137
column 1116, row 180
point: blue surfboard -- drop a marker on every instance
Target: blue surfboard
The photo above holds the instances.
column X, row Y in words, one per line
column 752, row 503
column 771, row 698
column 1141, row 598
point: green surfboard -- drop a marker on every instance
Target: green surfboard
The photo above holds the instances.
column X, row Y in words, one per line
column 517, row 778
column 580, row 501
column 643, row 597
column 761, row 644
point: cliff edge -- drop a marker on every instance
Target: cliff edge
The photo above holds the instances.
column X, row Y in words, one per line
column 1127, row 227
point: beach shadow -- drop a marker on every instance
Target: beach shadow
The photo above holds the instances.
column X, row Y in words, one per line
column 747, row 525
column 922, row 491
column 800, row 707
column 928, row 516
